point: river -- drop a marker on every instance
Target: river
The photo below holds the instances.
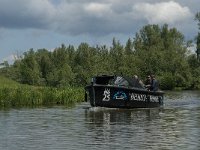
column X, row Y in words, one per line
column 174, row 126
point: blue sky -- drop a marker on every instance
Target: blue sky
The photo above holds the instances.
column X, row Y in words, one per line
column 36, row 24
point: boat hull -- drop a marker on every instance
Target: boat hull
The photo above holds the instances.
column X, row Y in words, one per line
column 122, row 97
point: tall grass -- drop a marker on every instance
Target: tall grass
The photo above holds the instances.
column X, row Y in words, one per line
column 13, row 94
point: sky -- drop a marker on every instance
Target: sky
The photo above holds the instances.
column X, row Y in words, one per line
column 26, row 24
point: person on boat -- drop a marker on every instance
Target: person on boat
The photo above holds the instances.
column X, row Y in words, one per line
column 137, row 82
column 154, row 84
column 148, row 82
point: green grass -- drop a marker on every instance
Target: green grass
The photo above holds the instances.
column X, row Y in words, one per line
column 5, row 82
column 13, row 94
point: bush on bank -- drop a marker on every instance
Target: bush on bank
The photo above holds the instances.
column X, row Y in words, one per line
column 28, row 96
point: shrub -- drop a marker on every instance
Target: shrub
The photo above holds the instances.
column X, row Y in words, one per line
column 167, row 81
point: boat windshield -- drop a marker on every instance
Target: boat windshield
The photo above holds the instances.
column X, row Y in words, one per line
column 118, row 80
column 127, row 81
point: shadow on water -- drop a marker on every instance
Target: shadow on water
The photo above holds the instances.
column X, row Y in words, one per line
column 101, row 116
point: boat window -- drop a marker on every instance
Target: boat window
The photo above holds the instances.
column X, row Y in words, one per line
column 120, row 81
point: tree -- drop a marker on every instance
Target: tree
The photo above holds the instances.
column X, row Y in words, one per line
column 117, row 57
column 29, row 69
column 148, row 45
column 195, row 71
column 45, row 64
column 197, row 17
column 102, row 60
column 85, row 60
column 60, row 73
column 155, row 49
column 162, row 51
column 198, row 47
column 129, row 47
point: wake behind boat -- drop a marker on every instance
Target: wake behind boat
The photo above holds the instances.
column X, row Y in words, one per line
column 121, row 92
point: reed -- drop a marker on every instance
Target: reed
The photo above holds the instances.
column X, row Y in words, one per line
column 16, row 95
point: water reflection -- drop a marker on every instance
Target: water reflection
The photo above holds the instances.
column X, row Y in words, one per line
column 99, row 116
column 144, row 128
column 119, row 128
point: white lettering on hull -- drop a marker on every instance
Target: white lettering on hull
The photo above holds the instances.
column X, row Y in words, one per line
column 138, row 97
column 154, row 98
column 143, row 97
column 106, row 95
column 132, row 97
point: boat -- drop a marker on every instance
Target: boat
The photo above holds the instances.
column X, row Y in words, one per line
column 114, row 91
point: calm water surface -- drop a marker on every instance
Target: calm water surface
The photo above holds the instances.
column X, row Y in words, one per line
column 174, row 126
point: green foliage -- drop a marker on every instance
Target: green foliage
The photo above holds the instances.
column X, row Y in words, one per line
column 195, row 71
column 162, row 51
column 167, row 81
column 197, row 17
column 6, row 82
column 196, row 79
column 29, row 69
column 57, row 75
column 154, row 49
column 13, row 94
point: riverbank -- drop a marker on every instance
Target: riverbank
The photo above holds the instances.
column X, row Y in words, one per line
column 13, row 94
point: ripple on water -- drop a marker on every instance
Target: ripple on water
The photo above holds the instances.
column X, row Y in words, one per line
column 176, row 125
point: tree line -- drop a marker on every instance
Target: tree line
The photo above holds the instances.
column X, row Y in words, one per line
column 155, row 49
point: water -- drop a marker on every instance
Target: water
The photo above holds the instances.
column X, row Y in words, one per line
column 174, row 126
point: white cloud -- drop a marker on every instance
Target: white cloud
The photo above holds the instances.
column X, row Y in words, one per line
column 28, row 24
column 40, row 8
column 91, row 17
column 163, row 12
column 97, row 8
